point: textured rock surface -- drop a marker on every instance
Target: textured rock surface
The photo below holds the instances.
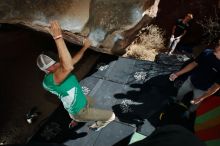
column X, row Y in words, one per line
column 109, row 24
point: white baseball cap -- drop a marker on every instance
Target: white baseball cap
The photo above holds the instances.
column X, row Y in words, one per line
column 44, row 62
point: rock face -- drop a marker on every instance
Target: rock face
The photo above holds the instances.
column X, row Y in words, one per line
column 111, row 25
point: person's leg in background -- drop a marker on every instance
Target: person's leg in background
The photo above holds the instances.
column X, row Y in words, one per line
column 171, row 41
column 184, row 89
column 196, row 93
column 175, row 42
column 192, row 108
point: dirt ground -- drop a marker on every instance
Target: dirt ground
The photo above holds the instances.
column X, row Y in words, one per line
column 21, row 87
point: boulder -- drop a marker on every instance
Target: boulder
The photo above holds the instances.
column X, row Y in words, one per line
column 110, row 25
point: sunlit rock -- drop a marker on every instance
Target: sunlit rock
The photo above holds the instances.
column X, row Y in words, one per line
column 111, row 25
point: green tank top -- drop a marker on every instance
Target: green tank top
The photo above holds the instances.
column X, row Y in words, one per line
column 69, row 92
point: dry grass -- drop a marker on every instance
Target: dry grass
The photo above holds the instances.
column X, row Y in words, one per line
column 211, row 28
column 147, row 44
